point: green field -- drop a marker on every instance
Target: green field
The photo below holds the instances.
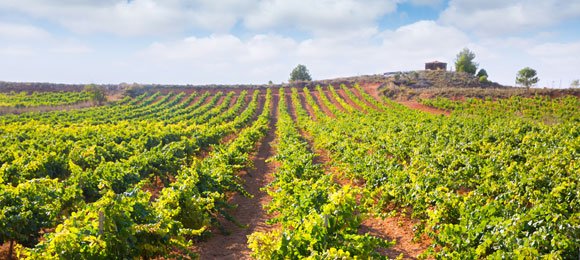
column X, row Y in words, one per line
column 175, row 174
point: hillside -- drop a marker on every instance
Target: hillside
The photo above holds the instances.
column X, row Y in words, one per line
column 401, row 86
column 455, row 85
column 260, row 173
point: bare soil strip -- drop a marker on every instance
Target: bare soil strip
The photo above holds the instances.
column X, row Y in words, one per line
column 5, row 251
column 400, row 229
column 332, row 100
column 320, row 158
column 291, row 108
column 157, row 184
column 320, row 105
column 195, row 99
column 219, row 102
column 418, row 106
column 305, row 105
column 346, row 99
column 233, row 101
column 361, row 98
column 372, row 89
column 250, row 211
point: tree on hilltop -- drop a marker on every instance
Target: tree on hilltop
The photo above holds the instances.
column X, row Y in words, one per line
column 300, row 73
column 464, row 62
column 527, row 77
column 482, row 76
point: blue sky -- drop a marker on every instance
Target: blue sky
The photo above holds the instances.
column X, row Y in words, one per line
column 254, row 41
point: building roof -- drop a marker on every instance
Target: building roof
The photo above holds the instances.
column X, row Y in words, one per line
column 437, row 62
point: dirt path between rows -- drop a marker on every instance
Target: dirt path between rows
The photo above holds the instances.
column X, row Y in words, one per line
column 305, row 105
column 318, row 101
column 357, row 94
column 372, row 89
column 399, row 228
column 333, row 100
column 250, row 211
column 342, row 94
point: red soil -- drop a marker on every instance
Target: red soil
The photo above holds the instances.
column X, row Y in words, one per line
column 346, row 99
column 196, row 98
column 400, row 229
column 360, row 97
column 308, row 108
column 372, row 89
column 330, row 97
column 5, row 250
column 250, row 211
column 321, row 105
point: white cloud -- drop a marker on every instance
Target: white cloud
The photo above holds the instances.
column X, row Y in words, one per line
column 13, row 32
column 425, row 37
column 225, row 58
column 318, row 16
column 17, row 51
column 557, row 51
column 244, row 41
column 137, row 17
column 497, row 17
column 71, row 49
column 559, row 62
column 154, row 17
column 228, row 59
column 150, row 17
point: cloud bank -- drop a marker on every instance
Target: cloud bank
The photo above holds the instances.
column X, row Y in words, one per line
column 254, row 41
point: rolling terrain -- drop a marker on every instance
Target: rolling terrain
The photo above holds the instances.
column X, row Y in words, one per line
column 331, row 171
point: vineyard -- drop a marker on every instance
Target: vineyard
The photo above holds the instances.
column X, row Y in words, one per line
column 42, row 99
column 326, row 172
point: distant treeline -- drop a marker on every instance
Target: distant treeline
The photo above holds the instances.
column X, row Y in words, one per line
column 6, row 87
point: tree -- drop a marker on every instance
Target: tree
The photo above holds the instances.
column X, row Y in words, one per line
column 300, row 73
column 96, row 94
column 482, row 72
column 575, row 83
column 482, row 76
column 464, row 62
column 527, row 77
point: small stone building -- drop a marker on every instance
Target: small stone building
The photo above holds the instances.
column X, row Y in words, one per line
column 435, row 65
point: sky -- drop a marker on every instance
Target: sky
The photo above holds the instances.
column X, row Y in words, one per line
column 255, row 41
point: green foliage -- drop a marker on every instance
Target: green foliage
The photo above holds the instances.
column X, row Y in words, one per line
column 318, row 218
column 23, row 99
column 495, row 179
column 491, row 181
column 464, row 62
column 300, row 73
column 481, row 73
column 96, row 94
column 28, row 207
column 575, row 83
column 483, row 79
column 100, row 159
column 527, row 77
